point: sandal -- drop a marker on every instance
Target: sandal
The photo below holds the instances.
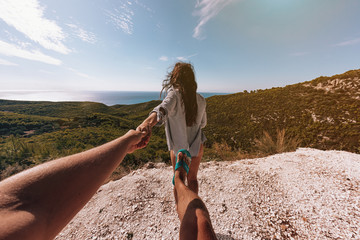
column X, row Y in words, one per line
column 182, row 163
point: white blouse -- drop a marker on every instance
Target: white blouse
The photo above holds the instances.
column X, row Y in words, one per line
column 178, row 135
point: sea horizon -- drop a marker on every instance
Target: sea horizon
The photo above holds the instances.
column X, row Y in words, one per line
column 108, row 98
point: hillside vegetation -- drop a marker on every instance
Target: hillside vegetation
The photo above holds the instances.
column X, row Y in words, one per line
column 323, row 113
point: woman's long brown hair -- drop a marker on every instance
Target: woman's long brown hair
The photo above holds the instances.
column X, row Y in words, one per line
column 182, row 77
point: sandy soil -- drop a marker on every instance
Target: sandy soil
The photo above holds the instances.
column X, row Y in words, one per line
column 307, row 194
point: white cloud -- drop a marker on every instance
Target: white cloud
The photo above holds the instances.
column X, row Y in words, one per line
column 35, row 55
column 7, row 63
column 121, row 17
column 164, row 58
column 181, row 58
column 347, row 43
column 83, row 34
column 144, row 6
column 46, row 72
column 80, row 74
column 207, row 9
column 16, row 40
column 299, row 54
column 186, row 58
column 27, row 18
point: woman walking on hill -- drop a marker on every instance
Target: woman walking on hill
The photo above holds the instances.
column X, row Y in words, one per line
column 184, row 113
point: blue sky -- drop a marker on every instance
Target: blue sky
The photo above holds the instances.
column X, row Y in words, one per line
column 235, row 45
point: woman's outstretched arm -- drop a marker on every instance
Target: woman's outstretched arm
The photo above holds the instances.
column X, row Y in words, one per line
column 39, row 202
column 148, row 123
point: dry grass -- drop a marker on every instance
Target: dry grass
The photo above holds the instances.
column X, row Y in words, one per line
column 267, row 145
column 264, row 146
column 11, row 170
column 224, row 152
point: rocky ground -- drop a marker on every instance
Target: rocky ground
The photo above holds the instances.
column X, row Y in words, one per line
column 307, row 194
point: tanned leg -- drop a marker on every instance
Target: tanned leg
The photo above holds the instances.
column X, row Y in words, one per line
column 194, row 167
column 173, row 162
column 193, row 214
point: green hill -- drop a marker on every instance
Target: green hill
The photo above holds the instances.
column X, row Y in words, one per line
column 54, row 109
column 34, row 132
column 323, row 113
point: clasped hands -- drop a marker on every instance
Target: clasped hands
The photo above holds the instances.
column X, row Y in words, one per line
column 144, row 127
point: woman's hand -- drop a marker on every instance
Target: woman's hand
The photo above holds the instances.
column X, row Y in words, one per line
column 144, row 127
column 148, row 123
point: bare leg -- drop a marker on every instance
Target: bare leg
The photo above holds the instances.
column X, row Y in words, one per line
column 173, row 162
column 193, row 214
column 194, row 167
column 173, row 159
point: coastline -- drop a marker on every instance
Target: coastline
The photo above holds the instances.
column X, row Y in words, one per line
column 108, row 98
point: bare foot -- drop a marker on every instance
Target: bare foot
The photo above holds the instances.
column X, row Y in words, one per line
column 181, row 172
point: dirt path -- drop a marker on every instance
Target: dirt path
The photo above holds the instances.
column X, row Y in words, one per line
column 308, row 194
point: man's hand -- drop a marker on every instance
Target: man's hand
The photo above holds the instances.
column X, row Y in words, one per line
column 138, row 140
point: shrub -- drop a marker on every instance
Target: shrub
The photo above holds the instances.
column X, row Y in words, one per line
column 224, row 152
column 11, row 170
column 266, row 145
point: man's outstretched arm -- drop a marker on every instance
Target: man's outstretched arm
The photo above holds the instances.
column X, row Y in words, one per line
column 39, row 202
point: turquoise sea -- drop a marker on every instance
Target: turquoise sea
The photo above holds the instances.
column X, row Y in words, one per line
column 107, row 97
